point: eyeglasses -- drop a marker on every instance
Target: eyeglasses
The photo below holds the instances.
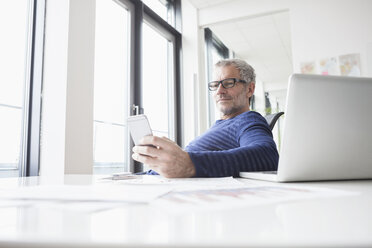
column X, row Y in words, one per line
column 226, row 83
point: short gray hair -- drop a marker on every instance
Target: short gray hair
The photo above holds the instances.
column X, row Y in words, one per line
column 246, row 71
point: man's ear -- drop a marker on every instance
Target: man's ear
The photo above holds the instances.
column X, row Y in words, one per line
column 251, row 88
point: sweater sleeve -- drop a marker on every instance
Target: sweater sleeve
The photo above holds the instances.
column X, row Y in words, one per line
column 257, row 152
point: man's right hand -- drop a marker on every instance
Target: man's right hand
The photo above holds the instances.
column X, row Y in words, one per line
column 165, row 157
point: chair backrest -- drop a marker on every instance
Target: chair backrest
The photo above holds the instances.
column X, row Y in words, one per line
column 272, row 118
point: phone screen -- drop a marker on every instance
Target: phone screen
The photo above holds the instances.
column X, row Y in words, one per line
column 139, row 126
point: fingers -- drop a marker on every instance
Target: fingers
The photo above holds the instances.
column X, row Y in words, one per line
column 152, row 162
column 167, row 158
column 146, row 150
column 180, row 166
column 161, row 142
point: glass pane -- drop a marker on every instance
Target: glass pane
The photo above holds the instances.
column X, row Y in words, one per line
column 157, row 81
column 10, row 133
column 110, row 140
column 108, row 134
column 13, row 50
column 161, row 7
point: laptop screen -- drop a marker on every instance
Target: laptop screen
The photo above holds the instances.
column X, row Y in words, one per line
column 327, row 129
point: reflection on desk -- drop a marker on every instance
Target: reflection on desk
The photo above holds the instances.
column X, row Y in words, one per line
column 337, row 215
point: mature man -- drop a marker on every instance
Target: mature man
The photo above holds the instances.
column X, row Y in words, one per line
column 240, row 141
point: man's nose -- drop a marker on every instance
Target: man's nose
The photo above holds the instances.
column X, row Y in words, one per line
column 220, row 90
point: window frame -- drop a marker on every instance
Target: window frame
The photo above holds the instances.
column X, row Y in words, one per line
column 212, row 42
column 169, row 32
column 140, row 13
column 30, row 148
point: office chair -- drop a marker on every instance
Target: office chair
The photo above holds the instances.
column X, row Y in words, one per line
column 272, row 118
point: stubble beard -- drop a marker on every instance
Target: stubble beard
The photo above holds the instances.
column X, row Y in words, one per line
column 237, row 105
column 226, row 111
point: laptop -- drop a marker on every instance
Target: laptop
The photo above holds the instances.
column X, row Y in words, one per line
column 327, row 132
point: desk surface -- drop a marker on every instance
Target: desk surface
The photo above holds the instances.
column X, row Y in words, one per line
column 319, row 222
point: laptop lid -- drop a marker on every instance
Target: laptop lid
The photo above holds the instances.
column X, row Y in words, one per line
column 327, row 129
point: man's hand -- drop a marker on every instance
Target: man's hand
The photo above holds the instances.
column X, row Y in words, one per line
column 164, row 156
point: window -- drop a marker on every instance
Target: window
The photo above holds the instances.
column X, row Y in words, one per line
column 20, row 84
column 111, row 87
column 163, row 8
column 160, row 84
column 158, row 81
column 136, row 71
column 216, row 51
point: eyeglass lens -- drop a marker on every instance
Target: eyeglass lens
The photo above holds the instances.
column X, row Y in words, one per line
column 226, row 83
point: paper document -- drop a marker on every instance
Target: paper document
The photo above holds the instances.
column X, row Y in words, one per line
column 112, row 193
column 183, row 183
column 224, row 198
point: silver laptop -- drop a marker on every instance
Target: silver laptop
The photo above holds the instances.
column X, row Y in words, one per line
column 327, row 130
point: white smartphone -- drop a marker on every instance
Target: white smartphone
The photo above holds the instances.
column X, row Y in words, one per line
column 139, row 126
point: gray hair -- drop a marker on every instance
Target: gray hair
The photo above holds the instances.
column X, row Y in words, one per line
column 246, row 71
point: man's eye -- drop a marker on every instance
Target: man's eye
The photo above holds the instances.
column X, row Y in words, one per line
column 213, row 84
column 228, row 83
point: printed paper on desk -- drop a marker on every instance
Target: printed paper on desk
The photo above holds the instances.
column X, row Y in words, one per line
column 186, row 183
column 226, row 198
column 112, row 193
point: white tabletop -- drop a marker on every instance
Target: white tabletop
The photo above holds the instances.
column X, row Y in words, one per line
column 344, row 220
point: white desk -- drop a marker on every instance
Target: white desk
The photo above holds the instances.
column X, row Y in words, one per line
column 340, row 221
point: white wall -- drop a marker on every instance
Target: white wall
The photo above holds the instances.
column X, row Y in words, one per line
column 190, row 72
column 194, row 80
column 322, row 29
column 53, row 119
column 80, row 85
column 67, row 104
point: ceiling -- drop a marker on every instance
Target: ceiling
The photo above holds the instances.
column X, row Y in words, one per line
column 199, row 4
column 264, row 42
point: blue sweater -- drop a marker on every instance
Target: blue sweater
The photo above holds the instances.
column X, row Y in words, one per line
column 242, row 143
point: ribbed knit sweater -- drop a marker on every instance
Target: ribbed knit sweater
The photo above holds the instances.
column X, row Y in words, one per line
column 242, row 143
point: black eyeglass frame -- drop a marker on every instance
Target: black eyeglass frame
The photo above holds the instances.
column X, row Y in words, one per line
column 236, row 80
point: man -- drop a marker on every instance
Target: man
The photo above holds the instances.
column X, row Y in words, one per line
column 240, row 141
